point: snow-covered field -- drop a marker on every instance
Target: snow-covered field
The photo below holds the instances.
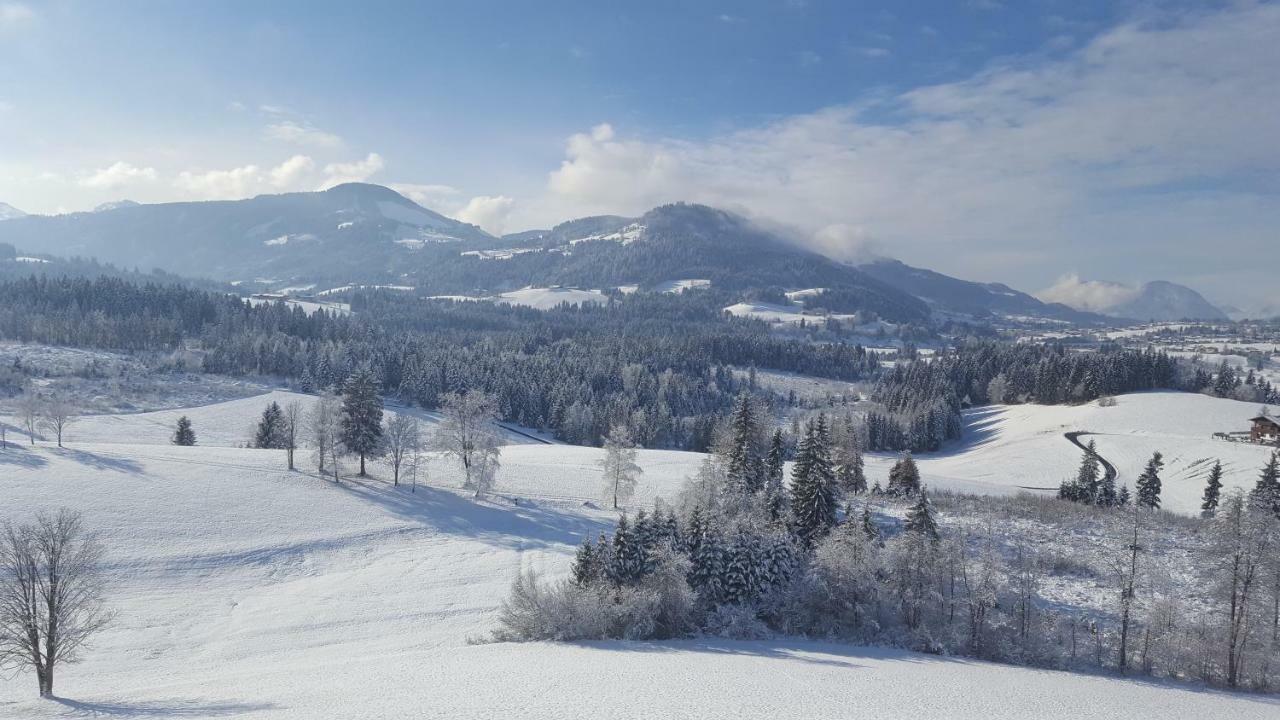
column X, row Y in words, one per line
column 548, row 298
column 245, row 590
column 1014, row 447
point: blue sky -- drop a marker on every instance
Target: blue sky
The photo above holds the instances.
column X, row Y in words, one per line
column 1018, row 141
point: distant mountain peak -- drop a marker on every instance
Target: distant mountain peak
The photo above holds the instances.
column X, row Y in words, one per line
column 1156, row 300
column 115, row 205
column 9, row 212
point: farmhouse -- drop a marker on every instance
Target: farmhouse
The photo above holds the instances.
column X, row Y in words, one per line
column 1266, row 429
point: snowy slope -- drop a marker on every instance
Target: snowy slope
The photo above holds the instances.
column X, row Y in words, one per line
column 1007, row 448
column 244, row 590
column 548, row 298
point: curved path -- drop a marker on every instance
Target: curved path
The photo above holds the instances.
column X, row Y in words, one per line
column 1074, row 439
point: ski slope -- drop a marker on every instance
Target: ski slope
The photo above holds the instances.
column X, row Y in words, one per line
column 246, row 590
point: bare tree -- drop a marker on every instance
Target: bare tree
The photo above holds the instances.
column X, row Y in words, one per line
column 50, row 594
column 1241, row 541
column 324, row 427
column 291, row 429
column 619, row 464
column 402, row 438
column 1126, row 567
column 56, row 415
column 468, row 433
column 28, row 408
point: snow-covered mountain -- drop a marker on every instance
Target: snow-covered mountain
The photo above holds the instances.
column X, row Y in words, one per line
column 115, row 205
column 9, row 212
column 1156, row 300
column 352, row 231
column 971, row 298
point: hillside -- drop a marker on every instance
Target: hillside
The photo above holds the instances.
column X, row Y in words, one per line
column 971, row 298
column 350, row 230
column 244, row 590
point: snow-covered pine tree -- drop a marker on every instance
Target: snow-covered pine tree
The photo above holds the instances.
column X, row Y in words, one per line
column 1122, row 499
column 739, row 580
column 362, row 415
column 184, row 434
column 904, row 476
column 1148, row 483
column 270, row 428
column 775, row 496
column 586, row 567
column 742, row 461
column 1087, row 476
column 1266, row 492
column 707, row 571
column 920, row 517
column 868, row 523
column 626, row 564
column 813, row 486
column 1212, row 491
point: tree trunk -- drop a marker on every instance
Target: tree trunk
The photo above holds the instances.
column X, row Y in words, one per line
column 361, row 464
column 290, row 451
column 44, row 677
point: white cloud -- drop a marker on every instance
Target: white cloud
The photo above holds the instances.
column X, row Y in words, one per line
column 873, row 52
column 1134, row 150
column 117, row 175
column 14, row 13
column 358, row 171
column 290, row 172
column 296, row 173
column 1092, row 295
column 230, row 184
column 490, row 213
column 302, row 134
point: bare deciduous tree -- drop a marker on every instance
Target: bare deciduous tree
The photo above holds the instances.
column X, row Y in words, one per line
column 56, row 415
column 402, row 438
column 50, row 594
column 324, row 427
column 619, row 464
column 28, row 413
column 468, row 433
column 291, row 429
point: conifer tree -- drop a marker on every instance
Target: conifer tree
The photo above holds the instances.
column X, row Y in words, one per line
column 742, row 465
column 813, row 486
column 626, row 564
column 920, row 517
column 1266, row 492
column 270, row 430
column 362, row 415
column 774, row 493
column 1087, row 476
column 1122, row 500
column 1212, row 491
column 586, row 567
column 184, row 434
column 904, row 477
column 1148, row 483
column 869, row 527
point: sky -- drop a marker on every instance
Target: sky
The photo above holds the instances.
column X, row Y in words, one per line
column 1042, row 143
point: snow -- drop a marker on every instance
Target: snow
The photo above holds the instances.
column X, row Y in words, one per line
column 505, row 254
column 780, row 314
column 244, row 590
column 1016, row 447
column 797, row 295
column 307, row 306
column 676, row 286
column 548, row 298
column 27, row 259
column 625, row 236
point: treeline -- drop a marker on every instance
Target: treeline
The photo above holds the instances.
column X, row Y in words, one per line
column 742, row 557
column 921, row 401
column 660, row 364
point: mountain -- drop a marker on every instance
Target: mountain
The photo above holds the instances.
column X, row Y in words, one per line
column 971, row 298
column 1160, row 300
column 9, row 212
column 352, row 231
column 115, row 205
